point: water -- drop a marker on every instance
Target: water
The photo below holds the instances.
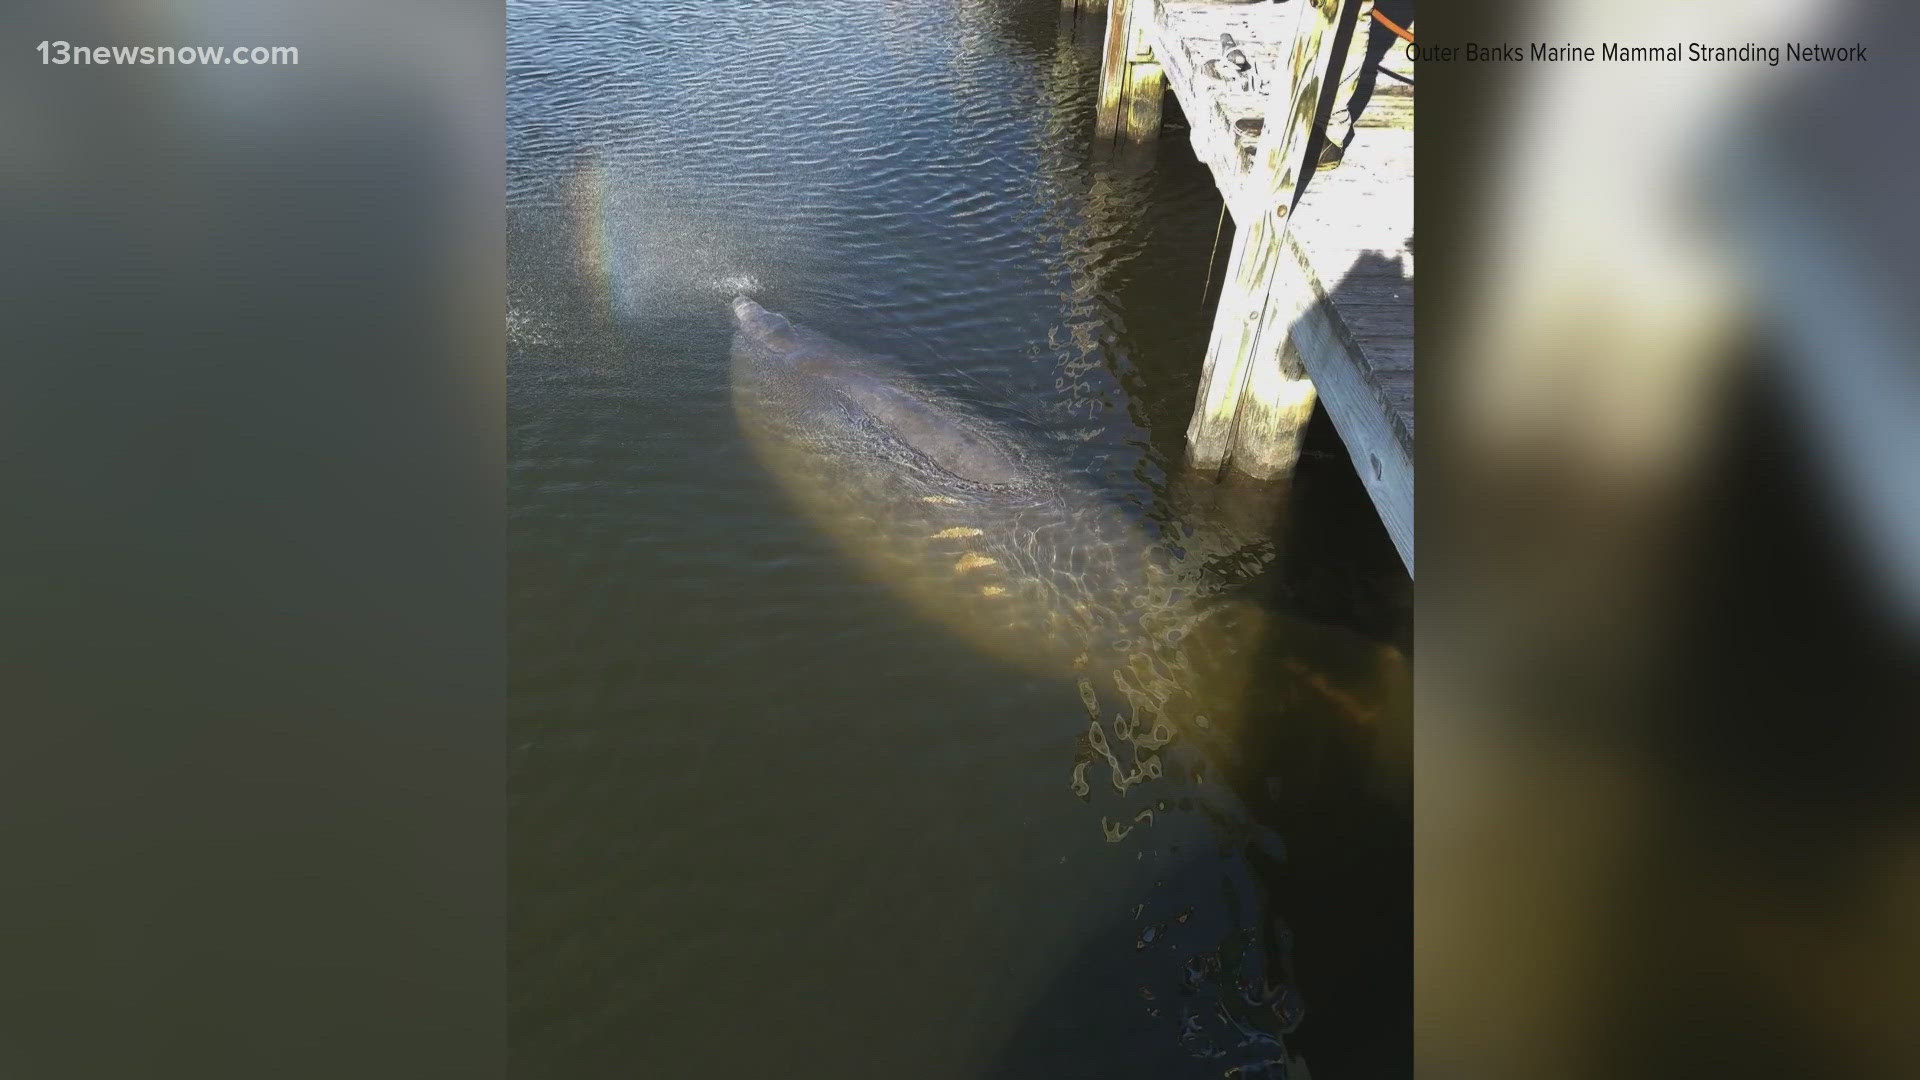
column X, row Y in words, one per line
column 765, row 820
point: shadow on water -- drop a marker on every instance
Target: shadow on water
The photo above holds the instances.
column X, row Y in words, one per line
column 1335, row 556
column 1248, row 956
column 1278, row 923
column 1153, row 1015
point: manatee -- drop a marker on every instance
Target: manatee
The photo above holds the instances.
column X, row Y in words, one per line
column 968, row 515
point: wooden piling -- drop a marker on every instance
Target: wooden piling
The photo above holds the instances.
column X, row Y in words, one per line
column 1084, row 20
column 1293, row 101
column 1255, row 396
column 1131, row 82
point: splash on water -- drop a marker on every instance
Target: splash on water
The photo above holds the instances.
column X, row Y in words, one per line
column 636, row 261
column 735, row 284
column 587, row 196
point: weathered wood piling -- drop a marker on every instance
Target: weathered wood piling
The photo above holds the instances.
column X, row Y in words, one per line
column 1317, row 304
column 1083, row 20
column 1131, row 82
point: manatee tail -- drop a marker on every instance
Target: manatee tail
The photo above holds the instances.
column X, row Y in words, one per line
column 1220, row 654
column 1237, row 663
column 1353, row 689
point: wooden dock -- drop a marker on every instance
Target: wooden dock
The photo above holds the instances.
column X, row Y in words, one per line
column 1318, row 299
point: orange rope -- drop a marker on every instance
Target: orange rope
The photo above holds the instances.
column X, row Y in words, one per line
column 1405, row 34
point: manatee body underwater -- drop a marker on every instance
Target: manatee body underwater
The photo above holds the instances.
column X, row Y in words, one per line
column 966, row 512
column 970, row 519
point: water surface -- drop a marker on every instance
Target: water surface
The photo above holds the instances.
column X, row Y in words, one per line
column 765, row 820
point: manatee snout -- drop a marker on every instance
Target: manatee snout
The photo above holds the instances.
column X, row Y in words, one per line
column 775, row 344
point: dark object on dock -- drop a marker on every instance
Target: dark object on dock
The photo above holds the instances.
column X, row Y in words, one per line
column 1232, row 65
column 1218, row 68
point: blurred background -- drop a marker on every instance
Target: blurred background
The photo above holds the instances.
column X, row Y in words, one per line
column 1670, row 527
column 252, row 560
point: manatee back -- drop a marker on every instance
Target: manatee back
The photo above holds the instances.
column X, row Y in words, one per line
column 945, row 437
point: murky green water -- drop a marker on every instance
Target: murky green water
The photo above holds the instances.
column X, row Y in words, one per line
column 764, row 819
